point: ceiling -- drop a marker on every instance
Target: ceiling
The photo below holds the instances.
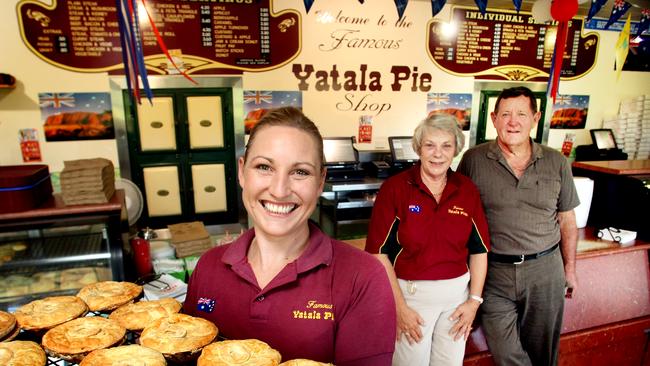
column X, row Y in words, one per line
column 583, row 9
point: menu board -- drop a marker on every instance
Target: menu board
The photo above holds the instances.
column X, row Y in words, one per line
column 202, row 36
column 506, row 45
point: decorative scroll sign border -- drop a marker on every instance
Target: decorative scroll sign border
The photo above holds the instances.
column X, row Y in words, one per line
column 522, row 64
column 47, row 31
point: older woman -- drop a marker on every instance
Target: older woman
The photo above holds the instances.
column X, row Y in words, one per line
column 425, row 224
column 284, row 281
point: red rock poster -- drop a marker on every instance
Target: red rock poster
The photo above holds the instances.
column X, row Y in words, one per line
column 570, row 111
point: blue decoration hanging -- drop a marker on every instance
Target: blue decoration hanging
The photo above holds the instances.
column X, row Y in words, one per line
column 482, row 5
column 401, row 6
column 308, row 4
column 620, row 8
column 644, row 22
column 517, row 4
column 436, row 6
column 596, row 5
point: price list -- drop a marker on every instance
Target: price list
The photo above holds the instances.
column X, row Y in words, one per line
column 500, row 45
column 231, row 37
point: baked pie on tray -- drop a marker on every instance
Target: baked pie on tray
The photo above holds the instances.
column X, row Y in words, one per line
column 108, row 295
column 244, row 352
column 21, row 353
column 48, row 312
column 123, row 356
column 75, row 339
column 304, row 362
column 137, row 316
column 179, row 337
column 7, row 324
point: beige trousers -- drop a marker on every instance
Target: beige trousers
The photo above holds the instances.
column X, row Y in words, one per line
column 435, row 301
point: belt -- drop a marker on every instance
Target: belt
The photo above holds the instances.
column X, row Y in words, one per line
column 518, row 259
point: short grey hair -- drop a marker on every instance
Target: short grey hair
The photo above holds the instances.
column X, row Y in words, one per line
column 439, row 121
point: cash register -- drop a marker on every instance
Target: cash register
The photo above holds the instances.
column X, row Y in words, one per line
column 341, row 159
column 402, row 154
column 603, row 148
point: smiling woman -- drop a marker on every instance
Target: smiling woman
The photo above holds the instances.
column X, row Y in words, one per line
column 284, row 281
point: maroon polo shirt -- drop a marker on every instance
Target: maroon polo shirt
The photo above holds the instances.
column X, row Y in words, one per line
column 423, row 239
column 333, row 304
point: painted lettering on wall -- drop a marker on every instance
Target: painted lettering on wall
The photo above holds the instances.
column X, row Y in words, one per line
column 402, row 78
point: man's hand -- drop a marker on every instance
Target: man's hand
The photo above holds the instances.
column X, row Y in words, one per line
column 571, row 283
column 464, row 317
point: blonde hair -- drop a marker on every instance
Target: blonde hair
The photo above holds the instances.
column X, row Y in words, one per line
column 443, row 122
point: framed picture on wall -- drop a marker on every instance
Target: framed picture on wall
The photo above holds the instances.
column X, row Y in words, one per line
column 570, row 111
column 76, row 116
column 258, row 102
column 458, row 105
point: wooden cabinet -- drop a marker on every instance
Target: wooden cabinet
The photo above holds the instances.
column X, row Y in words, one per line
column 182, row 155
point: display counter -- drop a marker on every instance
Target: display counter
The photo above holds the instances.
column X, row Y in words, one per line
column 621, row 194
column 604, row 322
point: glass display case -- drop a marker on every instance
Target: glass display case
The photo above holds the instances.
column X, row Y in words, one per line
column 56, row 249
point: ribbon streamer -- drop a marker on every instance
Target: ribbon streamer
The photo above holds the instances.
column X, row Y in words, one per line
column 162, row 45
column 558, row 58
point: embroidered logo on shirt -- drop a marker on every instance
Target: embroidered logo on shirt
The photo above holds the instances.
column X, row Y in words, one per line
column 204, row 304
column 415, row 208
column 315, row 311
column 457, row 211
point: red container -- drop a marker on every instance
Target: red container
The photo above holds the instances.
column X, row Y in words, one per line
column 24, row 187
column 142, row 256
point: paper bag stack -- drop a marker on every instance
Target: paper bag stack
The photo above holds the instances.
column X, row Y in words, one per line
column 190, row 238
column 87, row 181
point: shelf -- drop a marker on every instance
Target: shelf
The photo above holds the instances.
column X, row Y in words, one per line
column 6, row 86
column 59, row 250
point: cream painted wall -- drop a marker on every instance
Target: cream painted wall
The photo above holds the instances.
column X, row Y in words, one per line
column 330, row 110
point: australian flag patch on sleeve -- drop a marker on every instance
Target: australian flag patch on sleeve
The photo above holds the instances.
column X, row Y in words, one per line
column 204, row 304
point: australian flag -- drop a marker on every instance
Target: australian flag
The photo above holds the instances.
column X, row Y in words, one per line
column 620, row 7
column 204, row 304
column 644, row 22
column 596, row 5
column 415, row 208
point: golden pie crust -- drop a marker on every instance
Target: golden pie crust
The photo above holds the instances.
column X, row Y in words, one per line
column 7, row 323
column 73, row 340
column 178, row 333
column 244, row 352
column 49, row 312
column 138, row 315
column 304, row 362
column 130, row 355
column 108, row 295
column 21, row 353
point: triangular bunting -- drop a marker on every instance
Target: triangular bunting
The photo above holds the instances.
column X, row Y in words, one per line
column 620, row 8
column 436, row 6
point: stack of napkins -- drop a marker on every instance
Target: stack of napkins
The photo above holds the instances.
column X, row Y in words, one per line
column 165, row 286
column 87, row 181
column 190, row 238
column 620, row 236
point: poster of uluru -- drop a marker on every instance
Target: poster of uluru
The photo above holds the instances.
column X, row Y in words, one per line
column 258, row 102
column 570, row 111
column 76, row 116
column 457, row 105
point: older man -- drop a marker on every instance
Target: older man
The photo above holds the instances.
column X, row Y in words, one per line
column 528, row 193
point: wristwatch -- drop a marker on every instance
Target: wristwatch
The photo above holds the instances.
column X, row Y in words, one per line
column 477, row 298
